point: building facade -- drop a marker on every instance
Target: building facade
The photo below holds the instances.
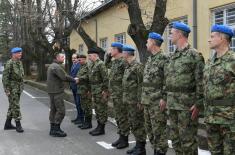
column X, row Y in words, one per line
column 109, row 23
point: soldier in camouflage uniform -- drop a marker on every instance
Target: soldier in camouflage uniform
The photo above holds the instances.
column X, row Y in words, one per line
column 219, row 93
column 98, row 77
column 132, row 85
column 12, row 80
column 184, row 74
column 84, row 90
column 153, row 94
column 117, row 67
column 56, row 76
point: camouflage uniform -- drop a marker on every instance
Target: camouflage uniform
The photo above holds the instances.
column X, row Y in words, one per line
column 99, row 82
column 84, row 89
column 132, row 84
column 219, row 86
column 13, row 82
column 184, row 74
column 152, row 92
column 117, row 68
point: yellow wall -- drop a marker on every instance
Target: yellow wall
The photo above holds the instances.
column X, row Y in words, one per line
column 115, row 20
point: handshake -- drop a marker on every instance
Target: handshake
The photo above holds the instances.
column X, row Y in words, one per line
column 76, row 80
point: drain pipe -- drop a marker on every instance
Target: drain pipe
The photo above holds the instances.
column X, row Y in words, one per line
column 195, row 24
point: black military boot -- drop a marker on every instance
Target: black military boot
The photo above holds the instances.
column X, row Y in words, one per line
column 114, row 144
column 95, row 130
column 52, row 129
column 123, row 143
column 8, row 125
column 131, row 150
column 140, row 148
column 99, row 131
column 87, row 124
column 58, row 132
column 19, row 127
column 159, row 153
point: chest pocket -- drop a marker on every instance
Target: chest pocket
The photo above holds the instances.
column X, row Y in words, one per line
column 184, row 65
column 219, row 75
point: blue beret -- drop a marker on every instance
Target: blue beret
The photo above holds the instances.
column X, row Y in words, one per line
column 128, row 49
column 156, row 36
column 223, row 29
column 181, row 26
column 16, row 50
column 116, row 44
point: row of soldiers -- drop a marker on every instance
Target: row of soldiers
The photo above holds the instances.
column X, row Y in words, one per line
column 174, row 88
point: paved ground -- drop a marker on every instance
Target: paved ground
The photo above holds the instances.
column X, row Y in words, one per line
column 36, row 141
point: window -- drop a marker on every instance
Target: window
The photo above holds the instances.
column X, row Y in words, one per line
column 104, row 43
column 80, row 49
column 225, row 15
column 171, row 47
column 120, row 38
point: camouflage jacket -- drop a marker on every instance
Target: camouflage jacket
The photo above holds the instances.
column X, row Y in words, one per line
column 219, row 89
column 117, row 68
column 98, row 77
column 83, row 75
column 132, row 82
column 153, row 79
column 184, row 79
column 13, row 74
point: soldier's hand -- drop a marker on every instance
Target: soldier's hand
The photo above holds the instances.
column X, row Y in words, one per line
column 76, row 80
column 7, row 92
column 195, row 111
column 105, row 95
column 140, row 106
column 162, row 105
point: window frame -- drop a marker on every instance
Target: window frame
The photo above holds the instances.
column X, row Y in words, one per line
column 123, row 38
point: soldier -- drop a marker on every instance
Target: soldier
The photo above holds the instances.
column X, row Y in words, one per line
column 153, row 95
column 12, row 80
column 117, row 68
column 55, row 88
column 84, row 90
column 98, row 78
column 184, row 74
column 219, row 86
column 132, row 85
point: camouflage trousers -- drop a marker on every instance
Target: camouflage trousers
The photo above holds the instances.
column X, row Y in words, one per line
column 183, row 132
column 57, row 108
column 101, row 108
column 155, row 126
column 121, row 115
column 221, row 139
column 14, row 106
column 86, row 104
column 136, row 121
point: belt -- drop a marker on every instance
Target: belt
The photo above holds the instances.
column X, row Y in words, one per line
column 115, row 82
column 223, row 102
column 154, row 85
column 183, row 90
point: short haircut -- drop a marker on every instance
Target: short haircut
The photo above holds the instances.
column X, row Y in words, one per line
column 185, row 34
column 157, row 42
column 227, row 37
column 57, row 54
column 119, row 49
